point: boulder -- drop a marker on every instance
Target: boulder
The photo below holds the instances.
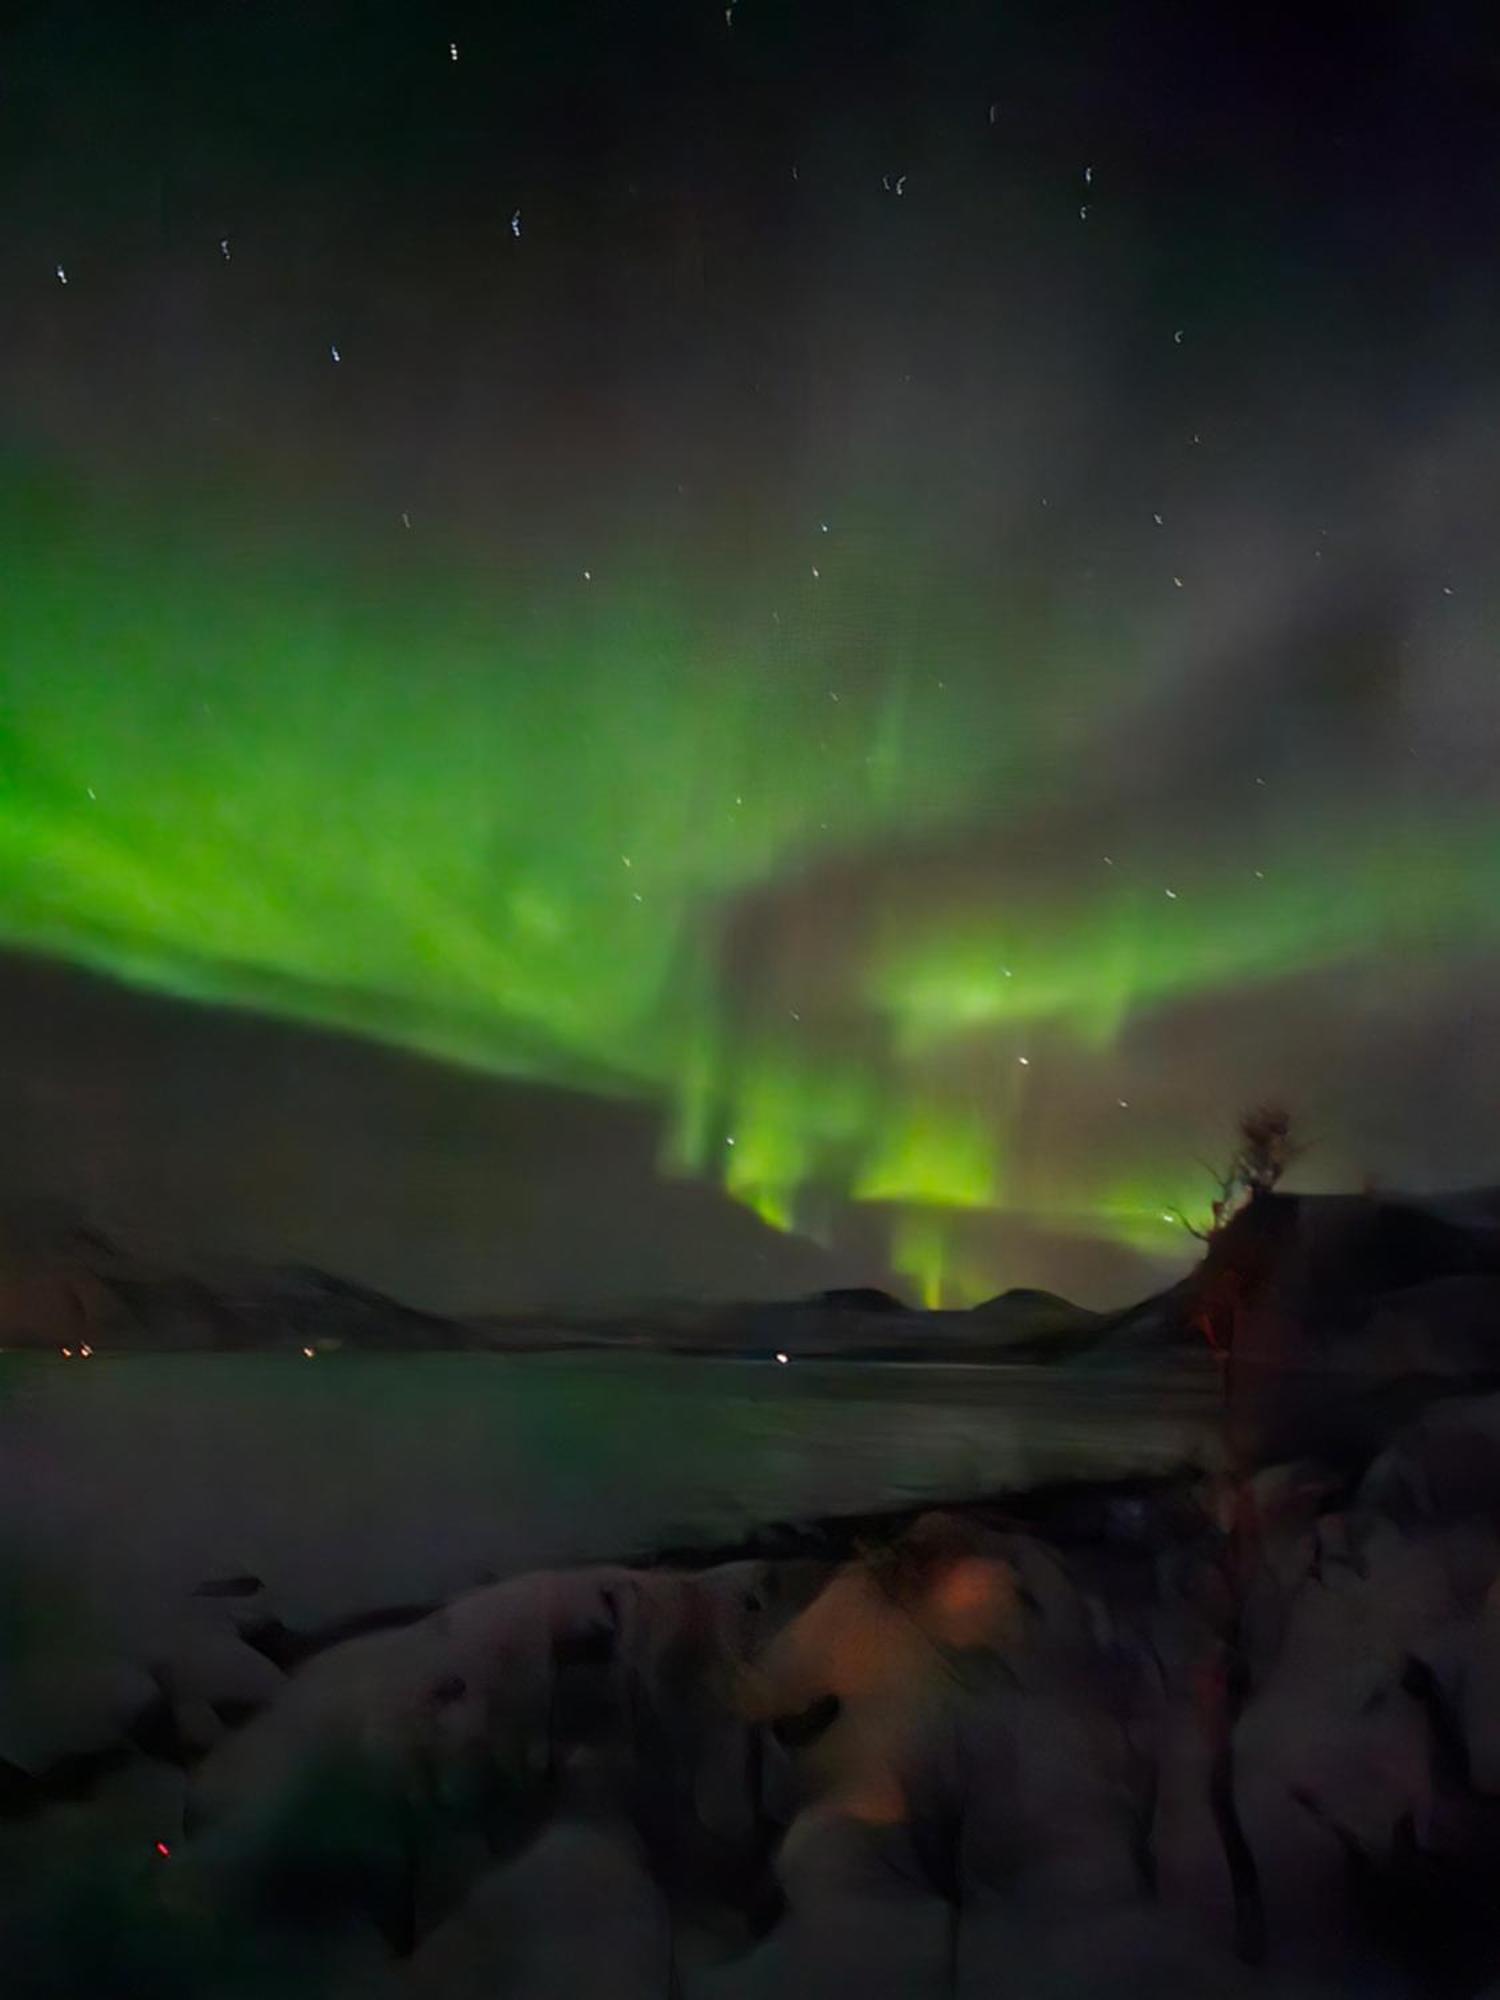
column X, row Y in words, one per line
column 861, row 1918
column 206, row 1661
column 1331, row 1752
column 60, row 1708
column 576, row 1913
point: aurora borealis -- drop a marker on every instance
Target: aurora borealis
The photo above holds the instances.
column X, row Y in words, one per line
column 910, row 623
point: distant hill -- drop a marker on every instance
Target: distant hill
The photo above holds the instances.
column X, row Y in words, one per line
column 74, row 1289
column 859, row 1298
column 1324, row 1289
column 1037, row 1326
column 71, row 1288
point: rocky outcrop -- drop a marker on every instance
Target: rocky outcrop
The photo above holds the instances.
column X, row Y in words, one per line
column 1233, row 1730
column 1173, row 1739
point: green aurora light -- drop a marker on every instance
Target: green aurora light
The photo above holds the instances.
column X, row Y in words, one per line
column 516, row 821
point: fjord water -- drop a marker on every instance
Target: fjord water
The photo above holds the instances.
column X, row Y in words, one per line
column 350, row 1481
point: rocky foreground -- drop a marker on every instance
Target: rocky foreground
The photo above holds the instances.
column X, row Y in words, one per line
column 1236, row 1730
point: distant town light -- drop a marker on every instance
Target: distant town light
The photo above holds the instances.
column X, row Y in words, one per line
column 783, row 1359
column 308, row 1352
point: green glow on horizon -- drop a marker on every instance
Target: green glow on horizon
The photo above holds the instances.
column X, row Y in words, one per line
column 512, row 823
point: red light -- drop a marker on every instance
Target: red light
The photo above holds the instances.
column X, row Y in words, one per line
column 162, row 1848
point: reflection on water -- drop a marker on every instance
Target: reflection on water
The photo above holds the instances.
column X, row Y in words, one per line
column 359, row 1479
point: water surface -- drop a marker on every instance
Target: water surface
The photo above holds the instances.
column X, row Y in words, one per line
column 355, row 1479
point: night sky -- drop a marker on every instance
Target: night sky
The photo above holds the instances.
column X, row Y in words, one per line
column 644, row 649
